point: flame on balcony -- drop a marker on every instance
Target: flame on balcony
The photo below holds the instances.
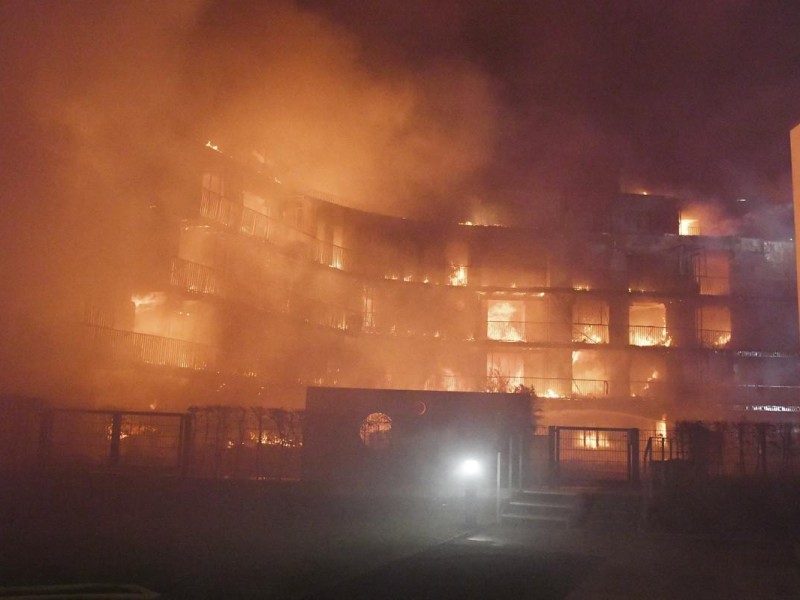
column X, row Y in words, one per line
column 550, row 393
column 457, row 275
column 505, row 321
column 648, row 324
column 147, row 300
column 688, row 226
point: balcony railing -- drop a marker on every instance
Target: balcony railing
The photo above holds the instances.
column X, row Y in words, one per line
column 194, row 277
column 648, row 335
column 262, row 295
column 589, row 333
column 255, row 224
column 714, row 286
column 714, row 338
column 506, row 331
column 544, row 387
column 152, row 349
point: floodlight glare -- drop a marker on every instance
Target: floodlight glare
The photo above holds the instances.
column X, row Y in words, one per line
column 470, row 468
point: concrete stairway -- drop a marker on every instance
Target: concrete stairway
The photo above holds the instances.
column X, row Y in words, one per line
column 552, row 507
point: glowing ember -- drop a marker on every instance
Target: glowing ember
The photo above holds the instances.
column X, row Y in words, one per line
column 212, row 146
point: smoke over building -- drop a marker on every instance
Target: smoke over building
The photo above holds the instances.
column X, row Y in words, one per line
column 148, row 271
column 245, row 291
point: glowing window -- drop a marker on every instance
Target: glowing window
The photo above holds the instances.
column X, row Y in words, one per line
column 714, row 329
column 505, row 320
column 648, row 324
column 376, row 431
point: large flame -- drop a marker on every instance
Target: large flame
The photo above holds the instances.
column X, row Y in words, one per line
column 505, row 321
column 458, row 275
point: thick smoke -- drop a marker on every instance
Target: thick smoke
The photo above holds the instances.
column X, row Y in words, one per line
column 455, row 110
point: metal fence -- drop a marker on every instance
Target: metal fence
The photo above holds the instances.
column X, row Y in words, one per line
column 245, row 442
column 203, row 442
column 584, row 454
column 741, row 449
column 99, row 438
column 257, row 442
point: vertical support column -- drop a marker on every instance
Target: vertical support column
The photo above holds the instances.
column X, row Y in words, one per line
column 761, row 437
column 740, row 433
column 794, row 140
column 116, row 431
column 186, row 444
column 521, row 450
column 633, row 455
column 553, row 455
column 497, row 487
column 510, row 463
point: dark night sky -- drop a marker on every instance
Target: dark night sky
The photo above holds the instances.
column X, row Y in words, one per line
column 411, row 107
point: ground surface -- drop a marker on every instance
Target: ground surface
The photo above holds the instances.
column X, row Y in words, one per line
column 226, row 539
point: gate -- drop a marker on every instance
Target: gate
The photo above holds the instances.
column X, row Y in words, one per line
column 579, row 455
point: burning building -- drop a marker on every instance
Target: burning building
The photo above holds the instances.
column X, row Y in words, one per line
column 251, row 292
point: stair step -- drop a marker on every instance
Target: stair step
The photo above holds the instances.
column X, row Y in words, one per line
column 551, row 518
column 530, row 504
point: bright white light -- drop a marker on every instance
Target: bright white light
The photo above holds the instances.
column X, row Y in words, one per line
column 470, row 468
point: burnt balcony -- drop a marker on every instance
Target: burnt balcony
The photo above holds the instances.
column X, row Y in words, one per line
column 544, row 387
column 123, row 345
column 255, row 224
column 648, row 335
column 590, row 333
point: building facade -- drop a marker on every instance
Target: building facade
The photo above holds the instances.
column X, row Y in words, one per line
column 248, row 292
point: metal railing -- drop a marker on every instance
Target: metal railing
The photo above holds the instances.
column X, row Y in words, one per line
column 714, row 286
column 648, row 335
column 260, row 294
column 152, row 349
column 544, row 387
column 583, row 454
column 714, row 338
column 194, row 277
column 255, row 224
column 506, row 331
column 657, row 449
column 590, row 333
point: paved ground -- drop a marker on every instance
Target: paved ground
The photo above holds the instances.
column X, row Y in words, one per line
column 541, row 563
column 224, row 539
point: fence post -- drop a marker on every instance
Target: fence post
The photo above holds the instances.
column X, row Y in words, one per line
column 116, row 431
column 185, row 444
column 761, row 436
column 552, row 454
column 510, row 463
column 497, row 488
column 633, row 455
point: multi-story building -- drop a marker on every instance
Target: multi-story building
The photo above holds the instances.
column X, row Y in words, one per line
column 253, row 291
